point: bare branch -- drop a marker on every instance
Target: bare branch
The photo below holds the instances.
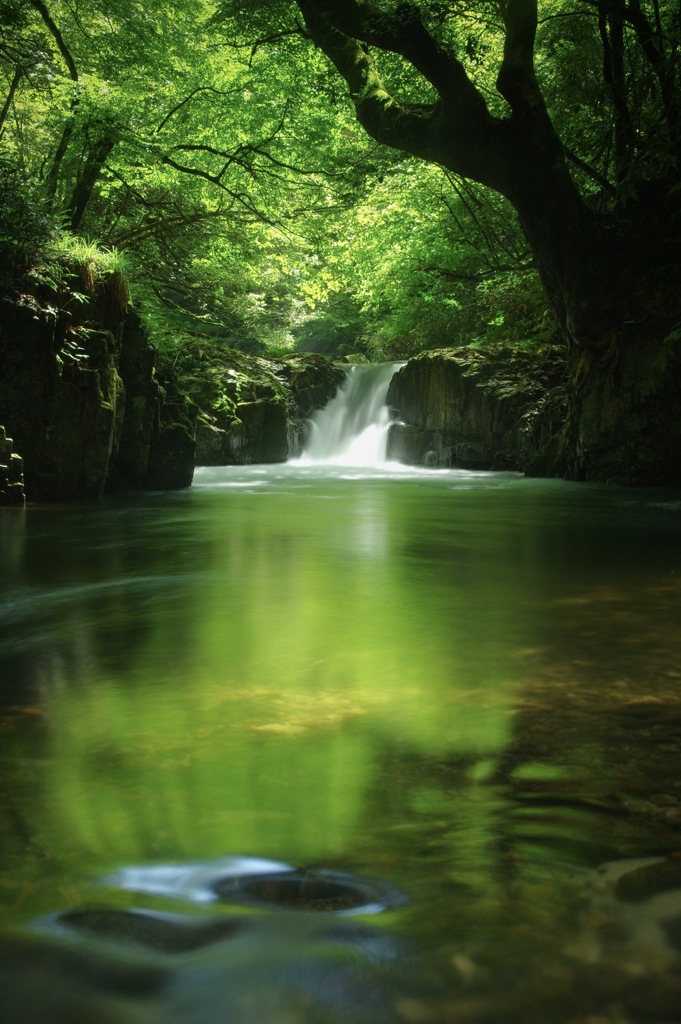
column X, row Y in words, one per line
column 192, row 94
column 242, row 198
column 590, row 171
column 482, row 275
column 14, row 85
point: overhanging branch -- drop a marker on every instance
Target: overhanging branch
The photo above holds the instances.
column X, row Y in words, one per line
column 516, row 80
column 455, row 130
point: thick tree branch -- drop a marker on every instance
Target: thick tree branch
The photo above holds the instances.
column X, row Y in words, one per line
column 455, row 131
column 516, row 80
column 385, row 119
column 404, row 33
column 611, row 30
column 42, row 10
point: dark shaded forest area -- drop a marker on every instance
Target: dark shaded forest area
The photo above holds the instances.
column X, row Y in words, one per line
column 363, row 180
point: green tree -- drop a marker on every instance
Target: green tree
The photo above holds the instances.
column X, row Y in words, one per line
column 128, row 124
column 519, row 154
column 431, row 261
column 484, row 90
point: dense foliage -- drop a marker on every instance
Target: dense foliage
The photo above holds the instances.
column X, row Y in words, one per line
column 250, row 211
column 216, row 146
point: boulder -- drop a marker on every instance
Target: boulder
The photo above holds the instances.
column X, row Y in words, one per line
column 59, row 399
column 117, row 966
column 258, row 433
column 156, row 443
column 254, row 410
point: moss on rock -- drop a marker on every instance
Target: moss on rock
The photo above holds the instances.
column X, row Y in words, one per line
column 82, row 396
column 252, row 409
column 477, row 408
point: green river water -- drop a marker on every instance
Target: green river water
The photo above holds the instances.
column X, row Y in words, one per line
column 465, row 686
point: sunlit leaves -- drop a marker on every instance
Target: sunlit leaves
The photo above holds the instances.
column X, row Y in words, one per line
column 428, row 263
column 245, row 190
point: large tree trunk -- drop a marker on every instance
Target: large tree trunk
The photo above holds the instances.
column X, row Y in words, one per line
column 614, row 288
column 612, row 280
column 613, row 284
column 623, row 423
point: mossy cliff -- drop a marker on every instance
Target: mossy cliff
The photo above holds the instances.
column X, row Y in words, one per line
column 253, row 409
column 608, row 415
column 473, row 409
column 93, row 407
column 87, row 400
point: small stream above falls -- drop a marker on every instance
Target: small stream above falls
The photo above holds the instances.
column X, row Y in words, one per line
column 352, row 430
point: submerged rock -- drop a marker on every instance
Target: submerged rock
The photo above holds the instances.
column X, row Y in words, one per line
column 650, row 880
column 132, row 966
column 165, row 933
column 62, row 983
column 318, row 890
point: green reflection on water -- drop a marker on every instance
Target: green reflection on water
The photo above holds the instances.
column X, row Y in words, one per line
column 318, row 631
column 323, row 672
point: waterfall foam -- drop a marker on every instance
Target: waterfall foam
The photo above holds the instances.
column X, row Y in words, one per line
column 352, row 430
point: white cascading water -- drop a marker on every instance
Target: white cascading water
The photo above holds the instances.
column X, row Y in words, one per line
column 352, row 430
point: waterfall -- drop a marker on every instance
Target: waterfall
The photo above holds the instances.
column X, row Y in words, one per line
column 352, row 430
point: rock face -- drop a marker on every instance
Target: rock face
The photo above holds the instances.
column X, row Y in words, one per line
column 155, row 448
column 11, row 472
column 254, row 410
column 85, row 401
column 258, row 433
column 94, row 408
column 623, row 420
column 472, row 410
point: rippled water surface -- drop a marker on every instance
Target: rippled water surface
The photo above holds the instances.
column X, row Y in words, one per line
column 465, row 686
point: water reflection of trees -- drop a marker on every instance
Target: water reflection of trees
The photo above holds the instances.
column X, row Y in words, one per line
column 589, row 771
column 250, row 681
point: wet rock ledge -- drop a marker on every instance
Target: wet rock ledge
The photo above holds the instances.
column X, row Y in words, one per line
column 468, row 409
column 11, row 472
column 253, row 409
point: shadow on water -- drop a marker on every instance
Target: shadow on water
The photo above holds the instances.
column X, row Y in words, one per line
column 466, row 687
